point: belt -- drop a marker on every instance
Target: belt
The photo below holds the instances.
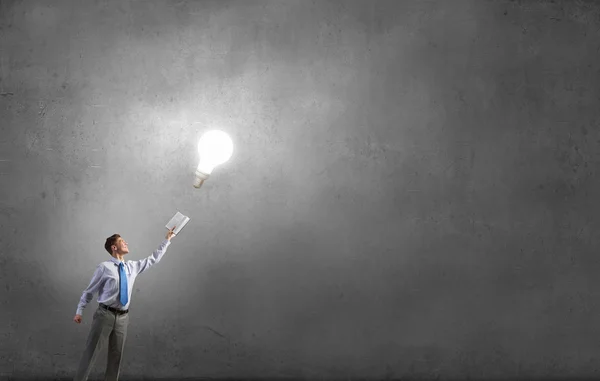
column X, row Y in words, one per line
column 118, row 312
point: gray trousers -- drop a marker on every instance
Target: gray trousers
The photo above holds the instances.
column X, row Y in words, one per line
column 106, row 326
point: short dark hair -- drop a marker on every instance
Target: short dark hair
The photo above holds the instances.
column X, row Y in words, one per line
column 112, row 240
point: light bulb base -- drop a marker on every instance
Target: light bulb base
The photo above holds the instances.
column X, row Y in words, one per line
column 199, row 180
column 198, row 183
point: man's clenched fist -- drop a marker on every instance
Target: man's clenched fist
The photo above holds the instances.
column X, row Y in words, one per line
column 77, row 319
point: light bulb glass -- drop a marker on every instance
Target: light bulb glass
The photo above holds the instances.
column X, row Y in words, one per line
column 215, row 147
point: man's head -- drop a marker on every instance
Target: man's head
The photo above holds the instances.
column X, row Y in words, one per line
column 116, row 245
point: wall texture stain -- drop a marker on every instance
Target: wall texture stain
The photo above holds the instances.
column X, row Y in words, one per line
column 413, row 191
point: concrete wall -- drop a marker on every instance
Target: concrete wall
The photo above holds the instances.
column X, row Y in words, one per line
column 413, row 191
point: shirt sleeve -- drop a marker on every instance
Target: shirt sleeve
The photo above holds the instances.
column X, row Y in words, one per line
column 144, row 264
column 89, row 292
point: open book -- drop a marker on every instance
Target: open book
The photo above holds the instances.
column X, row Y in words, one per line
column 178, row 220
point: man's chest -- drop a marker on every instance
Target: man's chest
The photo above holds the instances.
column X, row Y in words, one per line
column 112, row 275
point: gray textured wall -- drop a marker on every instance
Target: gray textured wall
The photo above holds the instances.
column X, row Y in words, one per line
column 414, row 188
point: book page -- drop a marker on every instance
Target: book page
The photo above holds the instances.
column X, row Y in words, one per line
column 178, row 220
column 175, row 221
column 181, row 224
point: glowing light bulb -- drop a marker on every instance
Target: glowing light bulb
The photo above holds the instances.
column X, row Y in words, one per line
column 215, row 148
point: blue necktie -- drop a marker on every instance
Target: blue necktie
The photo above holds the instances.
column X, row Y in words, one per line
column 123, row 297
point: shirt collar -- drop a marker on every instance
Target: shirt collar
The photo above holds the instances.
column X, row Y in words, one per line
column 116, row 261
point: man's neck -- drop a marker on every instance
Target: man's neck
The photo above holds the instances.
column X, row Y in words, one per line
column 119, row 257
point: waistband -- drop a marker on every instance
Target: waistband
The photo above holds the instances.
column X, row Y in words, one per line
column 111, row 309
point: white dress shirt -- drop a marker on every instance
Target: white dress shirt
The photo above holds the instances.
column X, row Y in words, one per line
column 106, row 279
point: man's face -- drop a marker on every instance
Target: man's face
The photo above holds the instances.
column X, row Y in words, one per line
column 121, row 246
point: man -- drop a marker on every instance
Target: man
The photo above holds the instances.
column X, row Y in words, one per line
column 113, row 281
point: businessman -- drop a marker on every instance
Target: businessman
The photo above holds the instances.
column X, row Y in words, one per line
column 113, row 281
